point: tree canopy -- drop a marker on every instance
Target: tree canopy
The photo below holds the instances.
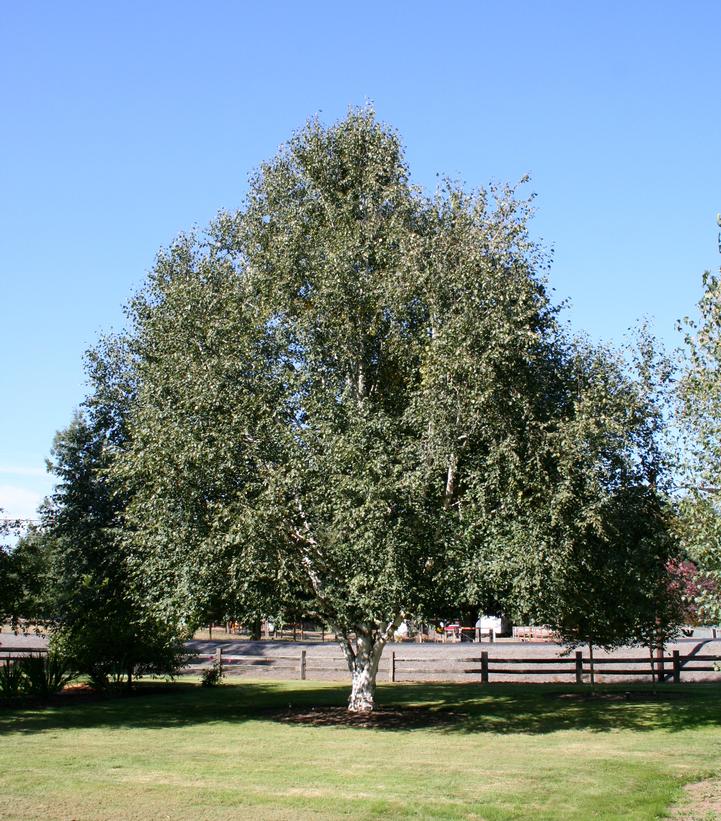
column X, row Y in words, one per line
column 71, row 575
column 355, row 402
column 700, row 405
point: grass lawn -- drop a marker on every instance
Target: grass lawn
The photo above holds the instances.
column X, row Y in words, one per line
column 504, row 752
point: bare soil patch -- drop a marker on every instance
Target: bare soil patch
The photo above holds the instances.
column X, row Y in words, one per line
column 701, row 802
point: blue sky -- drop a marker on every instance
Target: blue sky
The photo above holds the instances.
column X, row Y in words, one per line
column 123, row 124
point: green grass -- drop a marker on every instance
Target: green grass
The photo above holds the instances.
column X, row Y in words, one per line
column 507, row 752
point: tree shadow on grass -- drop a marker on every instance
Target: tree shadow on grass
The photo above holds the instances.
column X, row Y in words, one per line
column 447, row 708
column 539, row 709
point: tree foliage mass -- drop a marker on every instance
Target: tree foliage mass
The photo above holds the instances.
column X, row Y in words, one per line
column 354, row 402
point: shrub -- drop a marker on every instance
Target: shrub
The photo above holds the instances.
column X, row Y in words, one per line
column 112, row 650
column 36, row 675
column 212, row 676
column 44, row 675
column 11, row 678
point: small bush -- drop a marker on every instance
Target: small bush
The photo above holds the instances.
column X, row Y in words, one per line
column 110, row 651
column 212, row 676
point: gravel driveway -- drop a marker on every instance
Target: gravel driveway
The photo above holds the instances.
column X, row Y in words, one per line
column 430, row 661
column 435, row 661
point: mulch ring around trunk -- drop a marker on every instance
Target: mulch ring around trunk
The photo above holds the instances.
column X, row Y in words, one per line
column 390, row 718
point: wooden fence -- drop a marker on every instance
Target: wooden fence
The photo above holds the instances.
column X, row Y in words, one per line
column 484, row 666
column 20, row 652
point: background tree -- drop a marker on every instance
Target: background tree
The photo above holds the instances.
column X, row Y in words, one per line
column 354, row 402
column 12, row 563
column 97, row 621
column 700, row 413
column 27, row 579
column 614, row 585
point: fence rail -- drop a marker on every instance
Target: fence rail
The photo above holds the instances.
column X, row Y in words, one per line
column 659, row 668
column 396, row 667
column 20, row 652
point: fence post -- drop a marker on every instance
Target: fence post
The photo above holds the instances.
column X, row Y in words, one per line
column 484, row 667
column 219, row 659
column 392, row 668
column 660, row 672
column 579, row 667
column 676, row 667
column 302, row 664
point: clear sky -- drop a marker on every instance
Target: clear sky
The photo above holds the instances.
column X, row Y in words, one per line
column 124, row 123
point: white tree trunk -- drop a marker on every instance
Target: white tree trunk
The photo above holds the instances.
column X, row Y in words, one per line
column 363, row 670
column 450, row 482
column 363, row 662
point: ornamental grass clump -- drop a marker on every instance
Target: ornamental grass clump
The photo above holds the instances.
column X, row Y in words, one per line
column 45, row 675
column 37, row 676
column 10, row 680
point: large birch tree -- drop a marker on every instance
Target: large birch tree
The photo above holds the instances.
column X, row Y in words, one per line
column 351, row 401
